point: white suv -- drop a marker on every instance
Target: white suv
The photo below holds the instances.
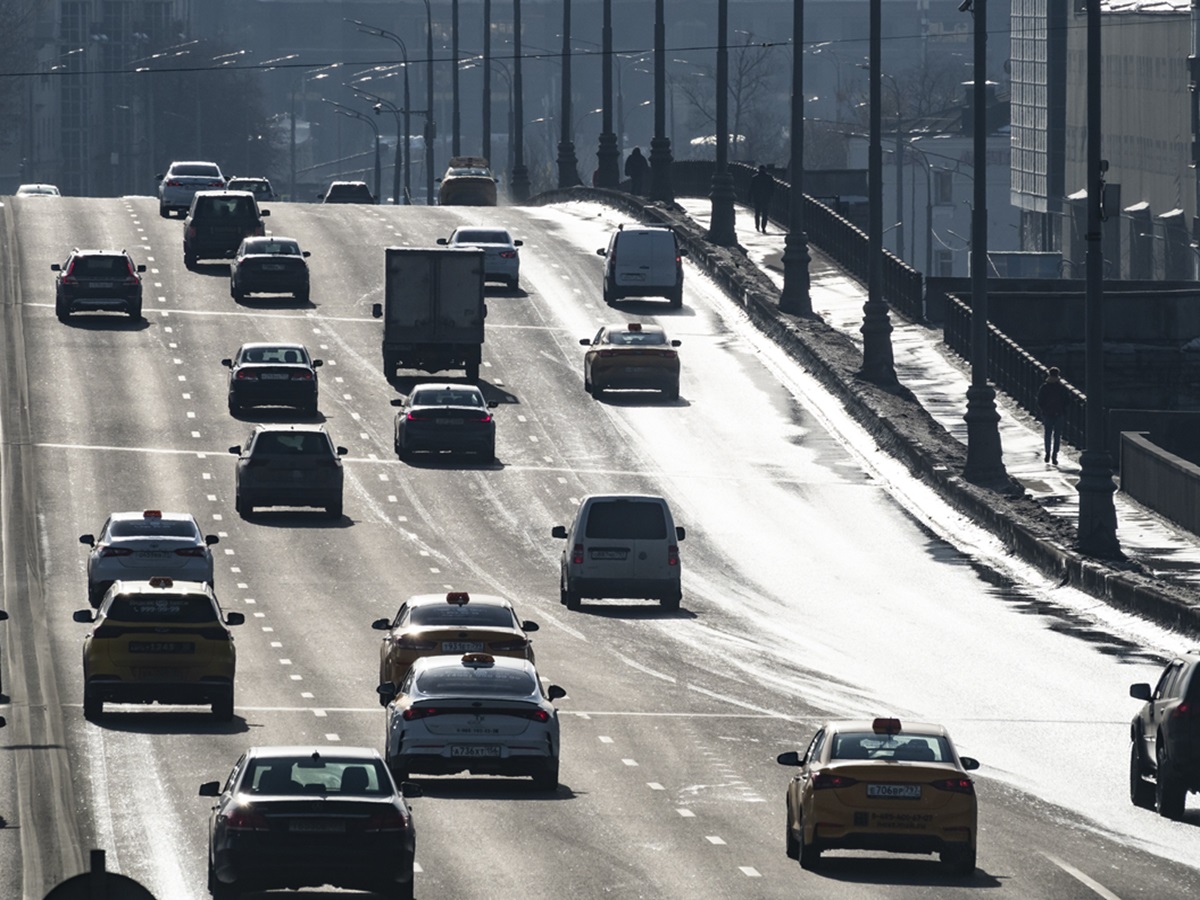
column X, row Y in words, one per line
column 180, row 183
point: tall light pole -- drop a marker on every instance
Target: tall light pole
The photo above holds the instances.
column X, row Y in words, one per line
column 486, row 143
column 1097, row 515
column 660, row 144
column 721, row 230
column 878, row 361
column 795, row 297
column 607, row 154
column 455, row 119
column 355, row 114
column 568, row 165
column 518, row 185
column 379, row 105
column 985, row 458
column 399, row 42
column 430, row 125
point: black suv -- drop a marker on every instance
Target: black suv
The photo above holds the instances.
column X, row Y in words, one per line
column 98, row 279
column 217, row 222
column 1166, row 738
column 288, row 465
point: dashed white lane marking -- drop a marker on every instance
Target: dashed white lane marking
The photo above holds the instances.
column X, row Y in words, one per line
column 1088, row 882
column 521, row 418
column 604, row 739
column 191, row 415
column 320, row 713
column 195, row 434
column 296, row 677
column 750, row 872
column 212, row 498
column 332, row 737
column 655, row 786
column 267, row 629
column 685, row 813
column 307, row 695
column 630, row 762
column 391, row 498
column 285, row 662
column 713, row 839
column 276, row 644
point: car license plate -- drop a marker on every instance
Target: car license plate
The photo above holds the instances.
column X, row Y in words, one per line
column 449, row 421
column 272, row 267
column 274, row 376
column 895, row 791
column 475, row 751
column 633, row 370
column 100, row 284
column 462, row 646
column 162, row 647
column 318, row 826
column 152, row 554
column 609, row 554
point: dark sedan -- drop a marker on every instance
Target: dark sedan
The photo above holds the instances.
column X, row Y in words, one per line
column 273, row 375
column 446, row 417
column 269, row 265
column 295, row 817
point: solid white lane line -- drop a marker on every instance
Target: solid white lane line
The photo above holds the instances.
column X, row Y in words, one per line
column 1090, row 883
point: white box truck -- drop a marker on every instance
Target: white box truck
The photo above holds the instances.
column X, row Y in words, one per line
column 433, row 310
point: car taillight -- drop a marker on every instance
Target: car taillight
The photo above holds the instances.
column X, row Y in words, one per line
column 173, row 183
column 302, row 375
column 955, row 785
column 115, row 551
column 390, row 819
column 485, row 418
column 245, row 375
column 1185, row 711
column 191, row 231
column 577, row 555
column 670, row 354
column 609, row 353
column 413, row 417
column 420, row 712
column 673, row 555
column 244, row 819
column 508, row 254
column 411, row 643
column 509, row 646
column 823, row 780
column 538, row 715
column 190, row 551
column 259, row 230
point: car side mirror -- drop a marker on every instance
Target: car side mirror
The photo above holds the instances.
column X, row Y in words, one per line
column 377, row 310
column 264, row 212
column 680, row 532
column 84, row 616
column 141, row 268
column 89, row 539
column 411, row 790
column 529, row 625
column 1139, row 691
column 559, row 531
column 554, row 692
column 210, row 789
column 492, row 404
column 227, row 363
column 3, row 616
column 518, row 243
column 442, row 242
column 306, row 254
column 211, row 539
column 235, row 618
column 397, row 401
column 791, row 758
column 236, row 451
column 682, row 251
column 676, row 343
column 3, row 721
column 969, row 763
column 55, row 267
column 382, row 624
column 342, row 451
column 585, row 342
column 317, row 363
column 602, row 252
column 387, row 691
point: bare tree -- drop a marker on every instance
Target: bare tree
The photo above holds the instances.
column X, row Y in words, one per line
column 16, row 59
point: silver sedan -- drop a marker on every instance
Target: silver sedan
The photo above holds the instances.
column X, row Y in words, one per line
column 502, row 260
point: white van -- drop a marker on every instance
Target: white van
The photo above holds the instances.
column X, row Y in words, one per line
column 643, row 261
column 621, row 545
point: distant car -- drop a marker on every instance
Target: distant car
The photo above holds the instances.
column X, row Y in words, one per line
column 162, row 641
column 476, row 713
column 266, row 374
column 295, row 817
column 98, row 280
column 468, row 182
column 452, row 623
column 631, row 355
column 38, row 190
column 151, row 542
column 502, row 261
column 217, row 223
column 288, row 465
column 437, row 416
column 269, row 265
column 181, row 181
column 347, row 192
column 259, row 187
column 882, row 785
column 643, row 261
column 1164, row 754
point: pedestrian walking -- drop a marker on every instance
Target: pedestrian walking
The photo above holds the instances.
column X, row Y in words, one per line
column 1052, row 399
column 762, row 185
column 636, row 168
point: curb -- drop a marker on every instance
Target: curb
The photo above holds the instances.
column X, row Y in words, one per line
column 907, row 431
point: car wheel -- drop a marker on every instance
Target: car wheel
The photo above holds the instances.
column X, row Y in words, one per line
column 398, row 891
column 62, row 310
column 489, row 452
column 587, row 385
column 547, row 778
column 399, row 770
column 790, row 844
column 672, row 393
column 959, row 860
column 309, row 410
column 222, row 708
column 135, row 311
column 1141, row 791
column 334, row 510
column 96, row 594
column 242, row 506
column 189, row 260
column 513, row 283
column 676, row 298
column 672, row 602
column 472, row 371
column 219, row 890
column 93, row 706
column 237, row 293
column 163, row 211
column 301, row 296
column 572, row 600
column 235, row 408
column 808, row 854
column 1169, row 791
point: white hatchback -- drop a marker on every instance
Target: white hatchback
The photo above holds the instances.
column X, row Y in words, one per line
column 181, row 182
column 502, row 260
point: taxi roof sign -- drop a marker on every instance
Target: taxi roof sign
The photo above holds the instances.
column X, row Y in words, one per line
column 461, row 598
column 152, row 514
column 162, row 581
column 886, row 726
column 478, row 659
column 635, row 326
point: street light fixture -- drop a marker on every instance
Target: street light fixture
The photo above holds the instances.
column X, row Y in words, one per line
column 568, row 165
column 518, row 185
column 355, row 114
column 379, row 105
column 660, row 144
column 795, row 297
column 721, row 229
column 399, row 42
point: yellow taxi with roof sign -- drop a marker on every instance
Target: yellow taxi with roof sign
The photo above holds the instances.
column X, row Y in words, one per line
column 631, row 355
column 456, row 622
column 882, row 785
column 160, row 640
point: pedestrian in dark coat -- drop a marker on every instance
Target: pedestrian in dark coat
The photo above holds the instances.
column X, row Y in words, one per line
column 636, row 168
column 762, row 185
column 1052, row 399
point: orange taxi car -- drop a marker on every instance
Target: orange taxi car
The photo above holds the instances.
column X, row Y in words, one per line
column 881, row 785
column 631, row 355
column 454, row 623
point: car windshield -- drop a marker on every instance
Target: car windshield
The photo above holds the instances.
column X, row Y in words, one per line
column 182, row 529
column 274, row 355
column 198, row 170
column 636, row 338
column 447, row 398
column 317, row 775
column 467, row 616
column 273, row 247
column 868, row 745
column 185, row 609
column 100, row 267
column 482, row 237
column 292, row 443
column 631, row 520
column 468, row 681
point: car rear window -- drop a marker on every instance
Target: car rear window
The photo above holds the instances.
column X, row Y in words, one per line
column 277, row 248
column 101, row 266
column 469, row 682
column 341, row 191
column 868, row 745
column 447, row 398
column 468, row 616
column 227, row 207
column 481, row 237
column 165, row 528
column 322, row 775
column 203, row 171
column 274, row 355
column 186, row 609
column 637, row 338
column 633, row 520
column 301, row 443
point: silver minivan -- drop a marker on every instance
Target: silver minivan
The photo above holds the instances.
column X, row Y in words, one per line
column 643, row 261
column 621, row 545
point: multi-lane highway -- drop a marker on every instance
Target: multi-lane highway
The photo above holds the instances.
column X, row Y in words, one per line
column 818, row 582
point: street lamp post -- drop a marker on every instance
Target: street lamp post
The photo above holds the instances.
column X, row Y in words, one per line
column 455, row 119
column 380, row 104
column 430, row 126
column 795, row 297
column 985, row 463
column 607, row 154
column 568, row 165
column 518, row 185
column 316, row 75
column 721, row 230
column 398, row 41
column 355, row 114
column 486, row 143
column 660, row 144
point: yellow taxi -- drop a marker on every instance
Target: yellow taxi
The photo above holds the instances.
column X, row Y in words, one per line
column 631, row 355
column 160, row 640
column 457, row 622
column 882, row 785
